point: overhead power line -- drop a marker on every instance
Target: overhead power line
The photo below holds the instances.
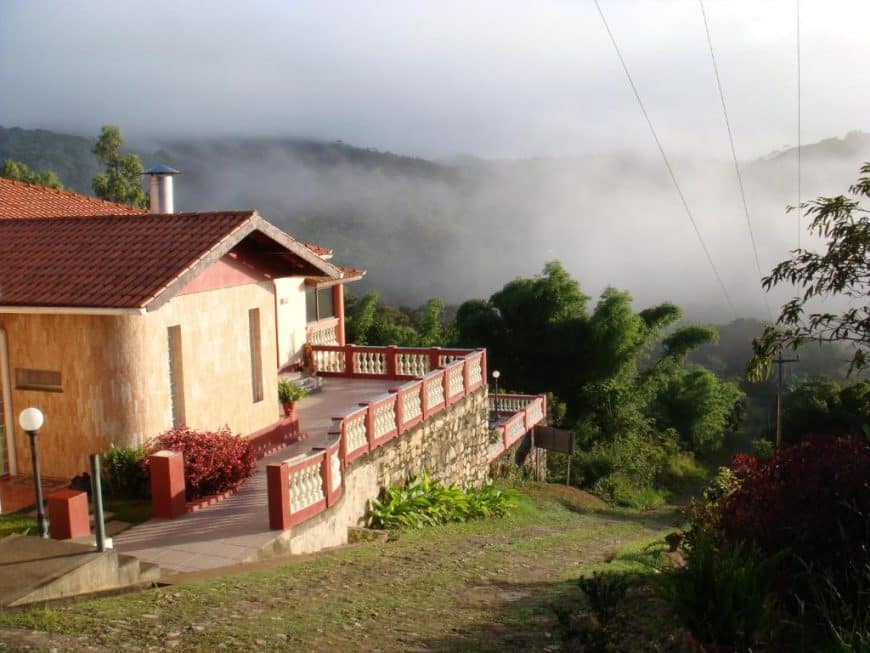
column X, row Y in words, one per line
column 798, row 42
column 665, row 159
column 734, row 158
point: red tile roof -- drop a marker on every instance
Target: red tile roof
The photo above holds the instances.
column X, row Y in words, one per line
column 351, row 273
column 318, row 249
column 104, row 262
column 21, row 200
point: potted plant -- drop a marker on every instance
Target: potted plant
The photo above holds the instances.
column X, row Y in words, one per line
column 288, row 394
column 308, row 357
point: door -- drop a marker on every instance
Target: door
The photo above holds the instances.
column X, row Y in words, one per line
column 6, row 432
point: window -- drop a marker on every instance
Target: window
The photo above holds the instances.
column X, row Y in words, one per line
column 318, row 304
column 45, row 380
column 176, row 377
column 256, row 353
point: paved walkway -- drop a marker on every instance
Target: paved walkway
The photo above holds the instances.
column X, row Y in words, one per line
column 237, row 529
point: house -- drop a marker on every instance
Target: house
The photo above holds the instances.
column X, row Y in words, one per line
column 119, row 324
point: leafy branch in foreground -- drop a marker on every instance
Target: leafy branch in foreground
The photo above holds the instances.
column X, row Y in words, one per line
column 841, row 269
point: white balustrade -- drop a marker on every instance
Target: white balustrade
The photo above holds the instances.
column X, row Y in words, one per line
column 454, row 381
column 335, row 471
column 507, row 403
column 385, row 418
column 445, row 359
column 306, row 488
column 411, row 405
column 434, row 393
column 536, row 412
column 329, row 361
column 355, row 431
column 515, row 429
column 323, row 334
column 475, row 371
column 370, row 362
column 412, row 364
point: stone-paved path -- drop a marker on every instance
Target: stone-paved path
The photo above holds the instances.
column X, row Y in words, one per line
column 237, row 529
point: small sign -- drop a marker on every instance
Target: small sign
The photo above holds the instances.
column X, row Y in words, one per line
column 553, row 439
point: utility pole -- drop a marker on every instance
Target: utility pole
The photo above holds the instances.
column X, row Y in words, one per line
column 780, row 361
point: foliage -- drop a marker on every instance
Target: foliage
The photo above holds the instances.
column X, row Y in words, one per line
column 699, row 406
column 622, row 491
column 424, row 501
column 683, row 475
column 720, row 593
column 704, row 515
column 843, row 268
column 812, row 498
column 762, row 449
column 121, row 181
column 636, row 457
column 371, row 322
column 214, row 461
column 18, row 171
column 633, row 401
column 604, row 592
column 124, row 472
column 845, row 618
column 822, row 405
column 288, row 392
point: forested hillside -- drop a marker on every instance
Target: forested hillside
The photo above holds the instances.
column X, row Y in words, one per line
column 458, row 229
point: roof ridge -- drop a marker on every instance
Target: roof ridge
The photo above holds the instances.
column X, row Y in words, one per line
column 89, row 217
column 66, row 192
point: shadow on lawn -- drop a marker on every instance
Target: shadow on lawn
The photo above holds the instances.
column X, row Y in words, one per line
column 521, row 618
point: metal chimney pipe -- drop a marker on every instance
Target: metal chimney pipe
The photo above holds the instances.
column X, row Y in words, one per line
column 160, row 188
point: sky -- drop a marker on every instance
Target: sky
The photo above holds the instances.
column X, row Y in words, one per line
column 498, row 79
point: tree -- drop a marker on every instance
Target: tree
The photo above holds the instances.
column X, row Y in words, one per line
column 122, row 180
column 843, row 269
column 18, row 171
column 822, row 406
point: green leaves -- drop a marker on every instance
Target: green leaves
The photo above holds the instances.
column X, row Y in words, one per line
column 122, row 180
column 842, row 268
column 18, row 171
column 424, row 501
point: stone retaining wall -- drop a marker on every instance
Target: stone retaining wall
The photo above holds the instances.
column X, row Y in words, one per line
column 451, row 446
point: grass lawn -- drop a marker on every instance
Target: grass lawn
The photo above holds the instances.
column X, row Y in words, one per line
column 488, row 585
column 17, row 522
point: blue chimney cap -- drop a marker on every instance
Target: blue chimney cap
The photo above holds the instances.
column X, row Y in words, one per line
column 161, row 169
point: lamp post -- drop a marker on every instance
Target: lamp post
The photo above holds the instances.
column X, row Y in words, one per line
column 495, row 376
column 31, row 420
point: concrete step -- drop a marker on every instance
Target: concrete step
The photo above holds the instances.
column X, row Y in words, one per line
column 35, row 570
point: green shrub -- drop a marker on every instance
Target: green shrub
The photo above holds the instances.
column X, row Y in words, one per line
column 604, row 592
column 720, row 594
column 705, row 515
column 762, row 449
column 619, row 489
column 845, row 618
column 683, row 475
column 641, row 457
column 123, row 472
column 424, row 501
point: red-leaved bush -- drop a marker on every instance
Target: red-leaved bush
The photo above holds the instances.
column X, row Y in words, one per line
column 812, row 498
column 214, row 461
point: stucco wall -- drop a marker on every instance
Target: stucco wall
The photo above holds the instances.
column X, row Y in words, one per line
column 115, row 373
column 451, row 447
column 291, row 319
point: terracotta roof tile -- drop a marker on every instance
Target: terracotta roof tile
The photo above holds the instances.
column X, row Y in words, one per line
column 350, row 273
column 114, row 261
column 21, row 200
column 317, row 249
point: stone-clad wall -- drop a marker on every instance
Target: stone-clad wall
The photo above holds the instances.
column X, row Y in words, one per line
column 450, row 446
